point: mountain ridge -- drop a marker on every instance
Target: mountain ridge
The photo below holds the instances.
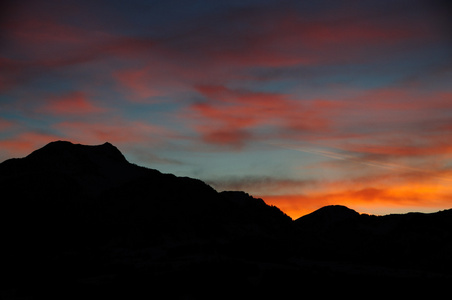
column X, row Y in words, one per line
column 106, row 150
column 113, row 154
column 82, row 212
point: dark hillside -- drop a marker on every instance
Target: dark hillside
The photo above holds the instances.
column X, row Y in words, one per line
column 83, row 211
column 82, row 222
column 411, row 241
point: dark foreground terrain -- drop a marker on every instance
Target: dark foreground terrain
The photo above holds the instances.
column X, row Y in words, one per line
column 80, row 222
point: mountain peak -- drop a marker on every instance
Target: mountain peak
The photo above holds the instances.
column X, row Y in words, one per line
column 65, row 149
column 337, row 210
column 328, row 215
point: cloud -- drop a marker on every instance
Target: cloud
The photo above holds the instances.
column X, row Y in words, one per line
column 57, row 46
column 138, row 83
column 229, row 137
column 70, row 103
column 403, row 99
column 215, row 48
column 24, row 143
column 369, row 158
column 378, row 187
column 368, row 199
column 381, row 125
column 259, row 184
column 115, row 131
column 365, row 115
column 5, row 124
column 378, row 184
column 401, row 149
column 230, row 116
column 285, row 36
column 336, row 76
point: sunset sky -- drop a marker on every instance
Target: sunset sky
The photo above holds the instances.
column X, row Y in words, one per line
column 301, row 103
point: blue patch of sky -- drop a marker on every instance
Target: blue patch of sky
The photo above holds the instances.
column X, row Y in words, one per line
column 251, row 162
column 160, row 18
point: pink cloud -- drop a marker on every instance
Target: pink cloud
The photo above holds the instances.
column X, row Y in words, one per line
column 275, row 39
column 56, row 45
column 401, row 149
column 116, row 131
column 233, row 116
column 225, row 137
column 209, row 54
column 402, row 99
column 138, row 83
column 72, row 103
column 397, row 122
column 24, row 143
column 5, row 124
column 271, row 39
column 39, row 31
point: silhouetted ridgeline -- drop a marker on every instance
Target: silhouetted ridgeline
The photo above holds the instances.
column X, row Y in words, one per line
column 81, row 221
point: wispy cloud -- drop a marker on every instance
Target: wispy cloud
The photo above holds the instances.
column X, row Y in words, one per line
column 234, row 116
column 363, row 160
column 263, row 184
column 117, row 131
column 71, row 103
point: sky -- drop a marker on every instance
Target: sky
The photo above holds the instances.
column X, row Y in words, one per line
column 301, row 103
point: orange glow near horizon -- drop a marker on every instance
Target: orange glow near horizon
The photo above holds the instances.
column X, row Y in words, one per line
column 392, row 199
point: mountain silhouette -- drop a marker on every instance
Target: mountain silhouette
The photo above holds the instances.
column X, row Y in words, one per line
column 81, row 221
column 415, row 241
column 327, row 217
column 94, row 194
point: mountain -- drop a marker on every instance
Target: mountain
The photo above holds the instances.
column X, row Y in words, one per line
column 414, row 241
column 67, row 170
column 72, row 207
column 326, row 217
column 82, row 222
column 93, row 194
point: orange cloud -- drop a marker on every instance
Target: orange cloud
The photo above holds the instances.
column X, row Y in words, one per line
column 369, row 186
column 366, row 200
column 376, row 195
